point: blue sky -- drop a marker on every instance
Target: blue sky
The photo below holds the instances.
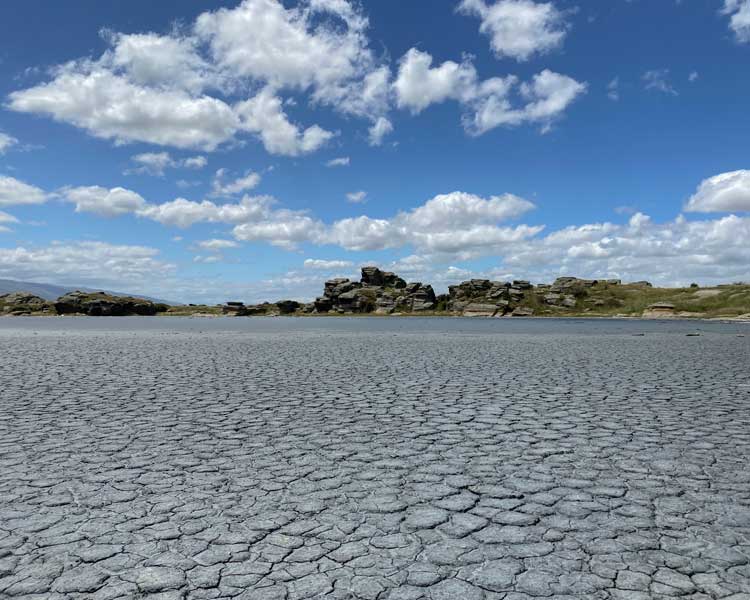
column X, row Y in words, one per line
column 254, row 150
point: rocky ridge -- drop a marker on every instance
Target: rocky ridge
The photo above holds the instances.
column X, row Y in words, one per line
column 95, row 304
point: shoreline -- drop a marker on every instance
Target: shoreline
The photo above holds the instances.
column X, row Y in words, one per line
column 562, row 317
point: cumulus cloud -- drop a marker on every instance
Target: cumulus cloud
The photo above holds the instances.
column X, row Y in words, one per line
column 156, row 163
column 725, row 192
column 184, row 213
column 104, row 202
column 235, row 187
column 518, row 28
column 6, row 141
column 381, row 128
column 217, row 244
column 671, row 253
column 739, row 18
column 111, row 106
column 174, row 90
column 263, row 114
column 488, row 103
column 356, row 197
column 84, row 262
column 327, row 265
column 15, row 192
column 317, row 46
column 455, row 223
column 339, row 162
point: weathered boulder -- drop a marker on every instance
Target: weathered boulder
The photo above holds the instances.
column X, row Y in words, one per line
column 385, row 305
column 257, row 310
column 374, row 277
column 334, row 287
column 569, row 302
column 481, row 291
column 421, row 297
column 378, row 291
column 19, row 303
column 323, row 304
column 522, row 311
column 480, row 310
column 659, row 310
column 287, row 307
column 101, row 304
column 233, row 308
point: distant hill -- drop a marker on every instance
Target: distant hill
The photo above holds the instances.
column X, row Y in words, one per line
column 50, row 291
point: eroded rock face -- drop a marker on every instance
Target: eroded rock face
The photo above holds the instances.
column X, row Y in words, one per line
column 101, row 304
column 17, row 303
column 381, row 292
column 372, row 276
column 482, row 297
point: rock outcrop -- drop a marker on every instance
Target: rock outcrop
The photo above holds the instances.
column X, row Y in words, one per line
column 23, row 303
column 482, row 297
column 380, row 292
column 101, row 304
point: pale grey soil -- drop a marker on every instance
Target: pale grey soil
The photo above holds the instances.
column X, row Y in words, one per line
column 373, row 461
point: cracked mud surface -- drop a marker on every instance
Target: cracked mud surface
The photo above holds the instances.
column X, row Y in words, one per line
column 374, row 465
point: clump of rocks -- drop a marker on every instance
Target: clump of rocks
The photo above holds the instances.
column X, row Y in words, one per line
column 24, row 303
column 268, row 309
column 379, row 292
column 485, row 298
column 101, row 304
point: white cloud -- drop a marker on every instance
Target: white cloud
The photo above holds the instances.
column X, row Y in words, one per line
column 207, row 259
column 381, row 128
column 518, row 28
column 459, row 210
column 184, row 213
column 453, row 224
column 693, row 77
column 174, row 90
column 327, row 265
column 13, row 191
column 613, row 89
column 283, row 228
column 319, row 46
column 739, row 22
column 671, row 253
column 6, row 218
column 195, row 162
column 238, row 186
column 83, row 262
column 356, row 197
column 725, row 192
column 217, row 244
column 339, row 162
column 658, row 79
column 264, row 115
column 110, row 106
column 156, row 163
column 104, row 202
column 419, row 84
column 6, row 141
column 152, row 163
column 488, row 103
column 160, row 61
